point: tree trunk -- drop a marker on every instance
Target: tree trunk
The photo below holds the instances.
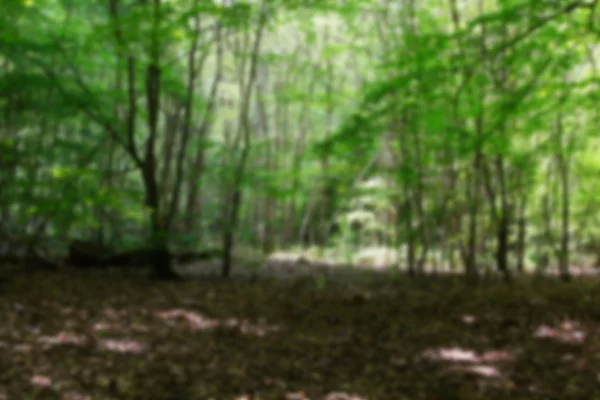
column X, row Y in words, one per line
column 160, row 262
column 470, row 254
column 410, row 242
column 502, row 247
column 244, row 134
column 503, row 225
column 563, row 166
column 521, row 239
column 229, row 235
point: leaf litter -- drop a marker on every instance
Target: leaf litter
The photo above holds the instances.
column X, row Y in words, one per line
column 266, row 339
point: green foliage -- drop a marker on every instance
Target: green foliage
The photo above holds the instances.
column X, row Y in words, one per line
column 464, row 113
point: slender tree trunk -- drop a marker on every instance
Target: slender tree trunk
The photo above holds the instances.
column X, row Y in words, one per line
column 503, row 226
column 193, row 202
column 271, row 153
column 563, row 167
column 171, row 127
column 470, row 256
column 521, row 238
column 161, row 258
column 410, row 241
column 186, row 130
column 243, row 132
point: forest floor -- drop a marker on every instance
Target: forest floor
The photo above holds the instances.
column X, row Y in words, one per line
column 93, row 335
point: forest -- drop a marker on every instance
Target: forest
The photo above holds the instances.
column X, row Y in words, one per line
column 299, row 199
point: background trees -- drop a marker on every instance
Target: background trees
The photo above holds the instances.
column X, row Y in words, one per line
column 439, row 133
column 429, row 136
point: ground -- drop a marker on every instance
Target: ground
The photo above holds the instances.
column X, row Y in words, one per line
column 94, row 335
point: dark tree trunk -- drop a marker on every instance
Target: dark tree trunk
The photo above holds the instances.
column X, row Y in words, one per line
column 410, row 243
column 160, row 263
column 565, row 238
column 161, row 260
column 243, row 133
column 502, row 247
column 229, row 236
column 521, row 240
column 470, row 256
column 563, row 259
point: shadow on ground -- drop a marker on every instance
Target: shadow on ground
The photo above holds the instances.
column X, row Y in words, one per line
column 99, row 336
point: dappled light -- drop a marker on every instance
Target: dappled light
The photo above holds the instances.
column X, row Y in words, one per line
column 41, row 381
column 63, row 338
column 193, row 321
column 124, row 346
column 248, row 328
column 466, row 356
column 109, row 327
column 485, row 371
column 316, row 345
column 71, row 339
column 299, row 200
column 469, row 361
column 197, row 322
column 343, row 396
column 567, row 332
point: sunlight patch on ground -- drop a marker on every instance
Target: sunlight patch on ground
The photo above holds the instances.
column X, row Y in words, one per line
column 41, row 381
column 63, row 339
column 485, row 371
column 248, row 328
column 459, row 355
column 468, row 319
column 469, row 361
column 343, row 396
column 376, row 257
column 287, row 257
column 124, row 346
column 568, row 332
column 194, row 321
column 93, row 346
column 115, row 327
column 198, row 322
